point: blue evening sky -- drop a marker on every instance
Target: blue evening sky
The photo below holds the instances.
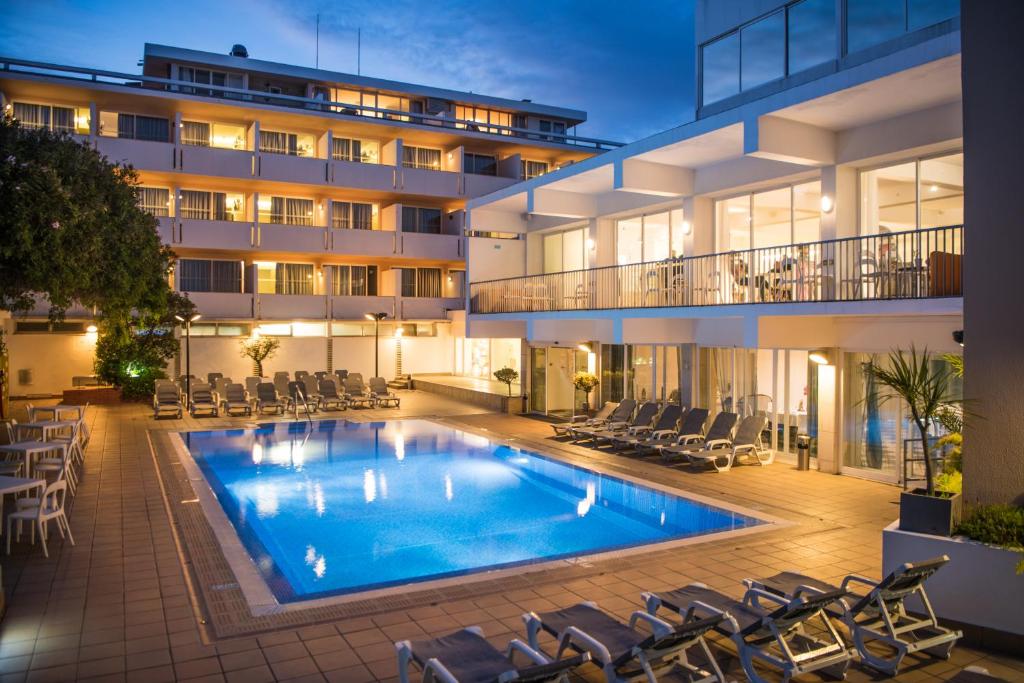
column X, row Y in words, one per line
column 629, row 65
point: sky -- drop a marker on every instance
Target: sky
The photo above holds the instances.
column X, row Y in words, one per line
column 628, row 65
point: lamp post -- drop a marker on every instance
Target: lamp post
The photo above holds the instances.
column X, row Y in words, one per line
column 187, row 324
column 376, row 318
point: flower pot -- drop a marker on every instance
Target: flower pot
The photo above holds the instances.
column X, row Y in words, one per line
column 937, row 515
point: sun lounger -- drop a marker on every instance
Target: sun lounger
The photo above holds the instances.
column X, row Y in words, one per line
column 203, row 400
column 466, row 657
column 381, row 395
column 623, row 651
column 167, row 399
column 664, row 425
column 267, row 398
column 722, row 454
column 212, row 377
column 355, row 393
column 329, row 396
column 563, row 428
column 311, row 389
column 721, row 428
column 794, row 636
column 645, row 415
column 692, row 424
column 236, row 399
column 877, row 611
column 621, row 415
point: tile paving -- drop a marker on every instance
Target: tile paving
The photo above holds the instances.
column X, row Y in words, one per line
column 122, row 605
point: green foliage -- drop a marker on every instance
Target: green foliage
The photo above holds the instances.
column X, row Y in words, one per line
column 949, row 482
column 258, row 349
column 585, row 381
column 132, row 350
column 956, row 362
column 923, row 386
column 953, row 443
column 1001, row 525
column 506, row 376
column 72, row 230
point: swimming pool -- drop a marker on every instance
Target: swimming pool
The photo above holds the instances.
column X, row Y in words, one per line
column 339, row 507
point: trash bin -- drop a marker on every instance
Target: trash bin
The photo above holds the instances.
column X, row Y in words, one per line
column 803, row 452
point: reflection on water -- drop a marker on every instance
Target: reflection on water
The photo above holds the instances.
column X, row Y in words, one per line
column 380, row 500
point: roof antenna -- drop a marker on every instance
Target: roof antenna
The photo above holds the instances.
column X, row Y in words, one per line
column 317, row 40
column 359, row 51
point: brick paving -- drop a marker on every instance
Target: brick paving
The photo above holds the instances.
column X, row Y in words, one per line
column 122, row 605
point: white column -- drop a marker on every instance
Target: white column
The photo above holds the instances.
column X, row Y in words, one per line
column 840, row 184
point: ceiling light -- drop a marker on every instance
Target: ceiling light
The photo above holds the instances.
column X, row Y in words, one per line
column 933, row 188
column 818, row 357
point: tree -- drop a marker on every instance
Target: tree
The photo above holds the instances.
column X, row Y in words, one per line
column 585, row 381
column 924, row 387
column 506, row 376
column 259, row 349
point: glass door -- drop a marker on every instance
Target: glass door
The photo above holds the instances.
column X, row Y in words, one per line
column 538, row 380
column 874, row 424
column 561, row 394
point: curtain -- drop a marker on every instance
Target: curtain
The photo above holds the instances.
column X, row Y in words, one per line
column 342, row 282
column 126, row 125
column 298, row 211
column 195, row 205
column 428, row 282
column 362, row 216
column 279, row 143
column 195, row 133
column 32, row 115
column 421, row 157
column 63, row 119
column 152, row 128
column 220, row 209
column 340, row 215
column 225, row 276
column 277, row 210
column 194, row 275
column 344, row 149
column 294, row 278
column 154, row 200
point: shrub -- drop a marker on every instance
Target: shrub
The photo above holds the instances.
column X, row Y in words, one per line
column 506, row 376
column 585, row 381
column 1001, row 525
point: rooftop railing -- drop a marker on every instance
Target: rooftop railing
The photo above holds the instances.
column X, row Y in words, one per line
column 917, row 264
column 339, row 109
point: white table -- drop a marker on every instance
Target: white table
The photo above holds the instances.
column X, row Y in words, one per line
column 46, row 430
column 16, row 485
column 55, row 411
column 29, row 449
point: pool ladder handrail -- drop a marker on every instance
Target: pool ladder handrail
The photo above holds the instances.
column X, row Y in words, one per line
column 302, row 395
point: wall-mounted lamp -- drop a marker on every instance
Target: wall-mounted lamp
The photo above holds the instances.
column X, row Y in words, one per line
column 687, row 227
column 584, row 347
column 958, row 337
column 819, row 357
column 827, row 204
column 91, row 329
column 590, row 244
column 450, row 156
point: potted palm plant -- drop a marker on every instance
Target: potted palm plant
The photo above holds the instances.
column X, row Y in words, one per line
column 924, row 386
column 585, row 382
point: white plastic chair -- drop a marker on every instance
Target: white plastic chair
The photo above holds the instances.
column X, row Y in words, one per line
column 62, row 464
column 50, row 507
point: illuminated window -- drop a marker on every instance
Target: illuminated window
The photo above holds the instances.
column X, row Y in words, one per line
column 134, row 127
column 286, row 211
column 652, row 237
column 354, row 149
column 221, row 79
column 532, row 169
column 53, row 117
column 421, row 157
column 294, row 144
column 421, row 282
column 354, row 280
column 154, row 200
column 421, row 219
column 483, row 120
column 565, row 251
column 211, row 206
column 284, row 278
column 220, row 135
column 353, row 216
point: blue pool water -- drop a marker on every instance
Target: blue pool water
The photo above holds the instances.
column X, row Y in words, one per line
column 339, row 507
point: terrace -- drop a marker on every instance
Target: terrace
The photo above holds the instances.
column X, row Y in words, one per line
column 146, row 593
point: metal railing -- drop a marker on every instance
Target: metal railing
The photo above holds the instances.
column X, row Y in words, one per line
column 917, row 264
column 340, row 109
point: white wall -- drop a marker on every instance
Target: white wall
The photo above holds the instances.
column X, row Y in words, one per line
column 490, row 259
column 53, row 359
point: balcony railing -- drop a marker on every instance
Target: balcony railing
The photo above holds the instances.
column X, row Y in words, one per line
column 339, row 109
column 917, row 264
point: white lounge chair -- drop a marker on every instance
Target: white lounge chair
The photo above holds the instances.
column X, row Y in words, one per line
column 723, row 453
column 382, row 395
column 721, row 428
column 564, row 428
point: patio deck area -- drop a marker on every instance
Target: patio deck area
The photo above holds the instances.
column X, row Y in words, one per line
column 126, row 603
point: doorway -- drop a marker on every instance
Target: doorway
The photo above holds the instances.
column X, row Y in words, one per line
column 551, row 373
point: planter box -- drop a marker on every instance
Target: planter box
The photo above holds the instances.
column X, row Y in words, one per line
column 924, row 514
column 93, row 395
column 979, row 587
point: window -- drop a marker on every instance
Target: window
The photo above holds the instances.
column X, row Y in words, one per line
column 869, row 22
column 284, row 278
column 787, row 215
column 532, row 169
column 211, row 206
column 763, row 45
column 202, row 275
column 52, row 117
column 812, row 33
column 286, row 211
column 354, row 280
column 557, row 127
column 565, row 250
column 917, row 194
column 351, row 149
column 392, row 103
column 456, row 284
column 921, row 13
column 220, row 135
column 420, row 219
column 421, row 157
column 652, row 237
column 421, row 282
column 294, row 144
column 480, row 164
column 480, row 117
column 154, row 200
column 207, row 77
column 720, row 69
column 138, row 127
column 353, row 216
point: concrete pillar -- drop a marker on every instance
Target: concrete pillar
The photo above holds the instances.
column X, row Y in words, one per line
column 699, row 211
column 993, row 149
column 839, row 183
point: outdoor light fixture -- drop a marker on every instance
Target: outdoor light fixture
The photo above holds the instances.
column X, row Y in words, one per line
column 188, row 352
column 827, row 204
column 958, row 337
column 376, row 318
column 819, row 357
column 584, row 347
column 687, row 228
column 590, row 244
column 91, row 329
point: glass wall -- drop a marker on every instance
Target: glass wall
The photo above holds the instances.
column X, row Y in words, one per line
column 812, row 34
column 915, row 194
column 763, row 46
column 565, row 250
column 652, row 237
column 480, row 358
column 869, row 22
column 788, row 215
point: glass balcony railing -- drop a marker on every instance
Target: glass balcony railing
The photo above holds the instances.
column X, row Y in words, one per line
column 918, row 264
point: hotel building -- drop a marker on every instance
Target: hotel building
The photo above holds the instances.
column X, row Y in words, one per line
column 758, row 258
column 296, row 200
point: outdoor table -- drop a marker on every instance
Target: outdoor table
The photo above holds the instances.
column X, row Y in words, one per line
column 30, row 449
column 16, row 485
column 45, row 429
column 55, row 411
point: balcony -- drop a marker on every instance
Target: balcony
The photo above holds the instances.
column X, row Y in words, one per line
column 302, row 238
column 356, row 307
column 428, row 183
column 203, row 234
column 362, row 242
column 918, row 264
column 291, row 169
column 352, row 174
column 479, row 185
column 291, row 307
column 429, row 308
column 221, row 305
column 214, row 161
column 423, row 245
column 142, row 154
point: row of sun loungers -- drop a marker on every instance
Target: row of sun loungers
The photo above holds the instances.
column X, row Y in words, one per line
column 788, row 623
column 674, row 433
column 259, row 395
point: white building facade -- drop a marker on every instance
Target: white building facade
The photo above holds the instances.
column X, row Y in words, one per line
column 296, row 200
column 807, row 222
